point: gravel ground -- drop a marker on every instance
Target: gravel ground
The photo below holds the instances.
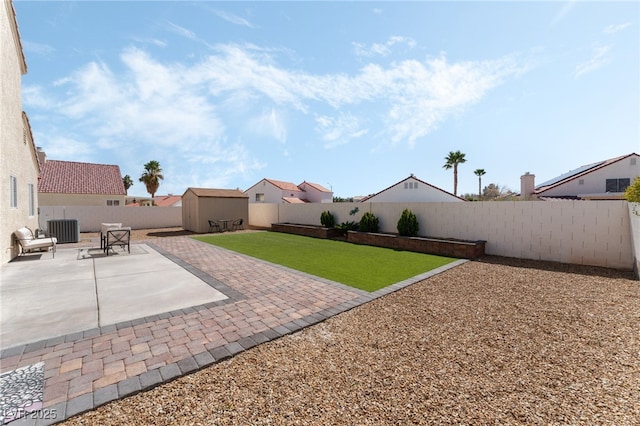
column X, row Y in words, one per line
column 497, row 341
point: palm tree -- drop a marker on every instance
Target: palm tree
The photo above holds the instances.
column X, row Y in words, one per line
column 128, row 183
column 452, row 160
column 152, row 177
column 479, row 173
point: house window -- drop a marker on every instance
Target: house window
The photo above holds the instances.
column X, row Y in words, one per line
column 410, row 185
column 32, row 200
column 633, row 161
column 260, row 198
column 618, row 185
column 13, row 191
column 415, row 185
column 406, row 185
column 580, row 181
column 113, row 202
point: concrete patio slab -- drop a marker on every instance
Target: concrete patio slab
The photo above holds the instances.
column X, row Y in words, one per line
column 81, row 289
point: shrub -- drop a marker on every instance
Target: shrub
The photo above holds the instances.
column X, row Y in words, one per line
column 327, row 220
column 347, row 226
column 408, row 224
column 632, row 194
column 369, row 223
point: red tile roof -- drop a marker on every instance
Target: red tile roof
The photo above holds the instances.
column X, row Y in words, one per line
column 69, row 177
column 317, row 186
column 166, row 200
column 287, row 186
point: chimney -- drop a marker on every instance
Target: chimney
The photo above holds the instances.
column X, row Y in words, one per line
column 42, row 157
column 527, row 186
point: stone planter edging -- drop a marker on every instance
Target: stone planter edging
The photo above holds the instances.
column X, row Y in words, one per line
column 440, row 247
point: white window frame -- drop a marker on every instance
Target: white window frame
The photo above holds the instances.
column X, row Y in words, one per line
column 32, row 199
column 13, row 191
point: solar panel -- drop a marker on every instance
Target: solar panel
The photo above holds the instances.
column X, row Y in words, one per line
column 569, row 174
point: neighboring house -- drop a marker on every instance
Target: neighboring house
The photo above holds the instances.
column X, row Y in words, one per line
column 411, row 190
column 168, row 200
column 19, row 168
column 159, row 200
column 70, row 183
column 604, row 180
column 276, row 191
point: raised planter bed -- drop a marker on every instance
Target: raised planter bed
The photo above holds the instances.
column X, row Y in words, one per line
column 441, row 247
column 306, row 230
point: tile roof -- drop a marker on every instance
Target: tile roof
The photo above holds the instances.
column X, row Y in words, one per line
column 294, row 200
column 317, row 186
column 220, row 193
column 288, row 186
column 166, row 200
column 69, row 177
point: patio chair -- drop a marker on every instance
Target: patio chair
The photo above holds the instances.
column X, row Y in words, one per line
column 214, row 226
column 237, row 224
column 118, row 237
column 29, row 242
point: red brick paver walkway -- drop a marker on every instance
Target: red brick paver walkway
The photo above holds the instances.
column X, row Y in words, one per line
column 87, row 369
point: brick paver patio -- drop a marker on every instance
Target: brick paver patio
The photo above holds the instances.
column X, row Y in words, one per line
column 265, row 301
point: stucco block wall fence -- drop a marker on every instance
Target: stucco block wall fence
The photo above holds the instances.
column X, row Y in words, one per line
column 599, row 233
column 90, row 217
column 634, row 217
column 596, row 233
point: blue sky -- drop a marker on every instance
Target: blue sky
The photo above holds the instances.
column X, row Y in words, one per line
column 354, row 96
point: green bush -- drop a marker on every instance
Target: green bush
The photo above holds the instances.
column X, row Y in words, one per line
column 632, row 194
column 369, row 223
column 327, row 220
column 408, row 224
column 347, row 226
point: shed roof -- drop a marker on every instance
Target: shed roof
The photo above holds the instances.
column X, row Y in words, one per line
column 70, row 177
column 218, row 193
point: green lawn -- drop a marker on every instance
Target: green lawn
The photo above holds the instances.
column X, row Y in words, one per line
column 363, row 267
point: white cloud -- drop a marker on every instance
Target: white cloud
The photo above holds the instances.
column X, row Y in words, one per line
column 563, row 12
column 181, row 31
column 612, row 29
column 598, row 59
column 195, row 115
column 382, row 49
column 234, row 19
column 339, row 130
column 38, row 48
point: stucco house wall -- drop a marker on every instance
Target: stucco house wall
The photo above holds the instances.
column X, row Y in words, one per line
column 18, row 161
column 595, row 182
column 316, row 195
column 412, row 190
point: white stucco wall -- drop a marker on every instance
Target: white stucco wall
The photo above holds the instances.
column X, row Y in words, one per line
column 16, row 148
column 595, row 182
column 415, row 191
column 634, row 219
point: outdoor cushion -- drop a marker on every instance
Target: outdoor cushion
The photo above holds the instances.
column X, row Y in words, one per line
column 28, row 241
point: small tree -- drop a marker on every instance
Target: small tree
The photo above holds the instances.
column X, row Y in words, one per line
column 408, row 224
column 152, row 176
column 632, row 193
column 127, row 182
column 327, row 220
column 369, row 223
